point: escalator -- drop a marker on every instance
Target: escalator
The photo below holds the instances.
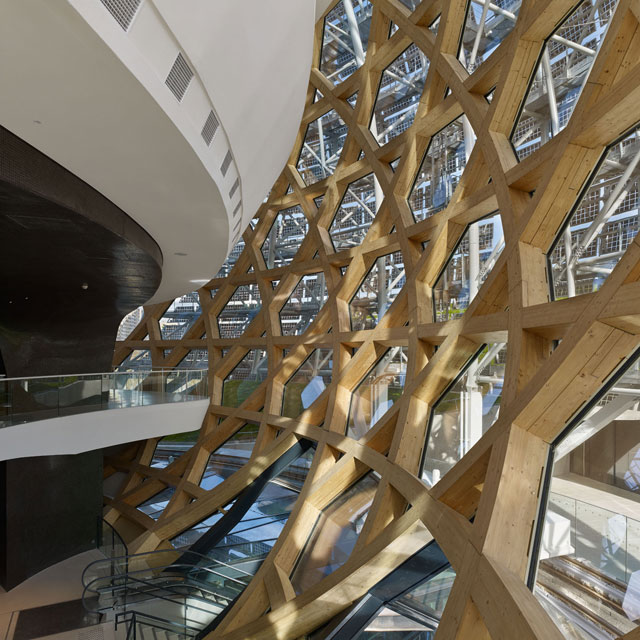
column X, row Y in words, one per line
column 185, row 592
column 583, row 602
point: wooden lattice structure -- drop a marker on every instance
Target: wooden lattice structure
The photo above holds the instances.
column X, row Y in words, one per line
column 498, row 481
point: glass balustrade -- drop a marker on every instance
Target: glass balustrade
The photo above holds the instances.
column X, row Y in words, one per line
column 586, row 560
column 30, row 399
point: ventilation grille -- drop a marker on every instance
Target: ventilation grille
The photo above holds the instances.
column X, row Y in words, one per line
column 122, row 10
column 179, row 77
column 210, row 128
column 225, row 163
column 235, row 211
column 234, row 188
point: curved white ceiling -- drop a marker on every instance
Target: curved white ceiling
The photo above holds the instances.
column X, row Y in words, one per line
column 93, row 97
column 254, row 58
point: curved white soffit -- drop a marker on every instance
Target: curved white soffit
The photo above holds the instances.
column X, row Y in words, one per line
column 108, row 116
column 71, row 98
column 253, row 58
column 99, row 429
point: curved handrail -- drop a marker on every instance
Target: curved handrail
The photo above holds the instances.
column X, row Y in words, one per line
column 151, row 590
column 126, row 560
column 115, row 537
column 163, row 573
column 198, row 582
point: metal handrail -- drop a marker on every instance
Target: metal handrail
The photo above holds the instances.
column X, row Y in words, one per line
column 132, row 618
column 114, row 535
column 126, row 559
column 103, row 373
column 128, row 588
column 131, row 575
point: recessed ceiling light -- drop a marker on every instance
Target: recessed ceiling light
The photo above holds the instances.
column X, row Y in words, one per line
column 179, row 253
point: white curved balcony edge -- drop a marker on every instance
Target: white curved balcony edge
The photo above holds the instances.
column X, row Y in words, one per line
column 96, row 97
column 98, row 429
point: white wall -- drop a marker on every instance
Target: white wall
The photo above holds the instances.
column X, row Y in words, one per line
column 253, row 58
column 98, row 429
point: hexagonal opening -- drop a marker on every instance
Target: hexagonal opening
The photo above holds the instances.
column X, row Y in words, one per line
column 467, row 268
column 322, row 147
column 285, row 237
column 307, row 383
column 378, row 391
column 304, row 304
column 441, row 168
column 245, row 378
column 465, row 411
column 229, row 456
column 180, row 316
column 486, row 26
column 343, row 46
column 588, row 516
column 378, row 290
column 355, row 213
column 334, row 533
column 399, row 93
column 562, row 71
column 243, row 306
column 602, row 225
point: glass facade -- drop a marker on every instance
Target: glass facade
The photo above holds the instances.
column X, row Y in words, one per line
column 322, row 147
column 414, row 615
column 230, row 456
column 285, row 237
column 247, row 543
column 399, row 94
column 240, row 310
column 486, row 26
column 303, row 304
column 345, row 38
column 392, row 280
column 355, row 213
column 180, row 316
